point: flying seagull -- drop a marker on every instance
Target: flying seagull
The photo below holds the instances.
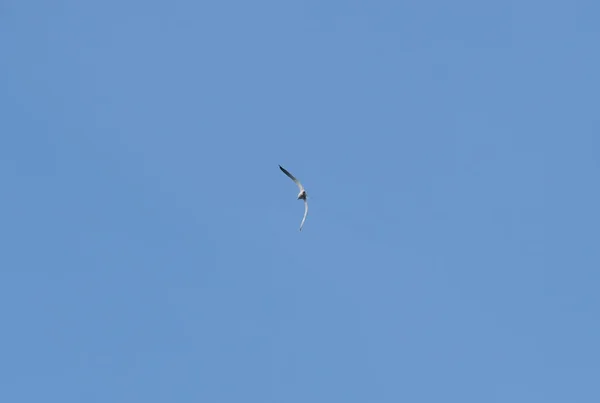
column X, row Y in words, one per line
column 301, row 195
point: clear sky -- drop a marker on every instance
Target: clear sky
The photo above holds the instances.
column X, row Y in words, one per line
column 150, row 249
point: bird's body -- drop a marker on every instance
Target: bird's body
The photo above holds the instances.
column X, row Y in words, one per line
column 301, row 196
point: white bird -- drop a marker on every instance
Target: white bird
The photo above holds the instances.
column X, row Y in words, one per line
column 301, row 195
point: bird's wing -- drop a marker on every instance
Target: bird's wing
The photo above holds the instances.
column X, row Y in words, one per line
column 305, row 213
column 292, row 177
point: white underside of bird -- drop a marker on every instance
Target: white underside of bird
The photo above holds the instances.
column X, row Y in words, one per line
column 301, row 195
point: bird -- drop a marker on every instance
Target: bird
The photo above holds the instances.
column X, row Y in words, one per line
column 301, row 195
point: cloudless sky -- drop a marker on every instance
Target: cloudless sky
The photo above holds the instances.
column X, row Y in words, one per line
column 150, row 249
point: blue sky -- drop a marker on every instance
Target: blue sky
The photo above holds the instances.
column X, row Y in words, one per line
column 150, row 244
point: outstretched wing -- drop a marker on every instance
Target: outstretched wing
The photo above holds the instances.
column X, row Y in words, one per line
column 305, row 213
column 292, row 177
